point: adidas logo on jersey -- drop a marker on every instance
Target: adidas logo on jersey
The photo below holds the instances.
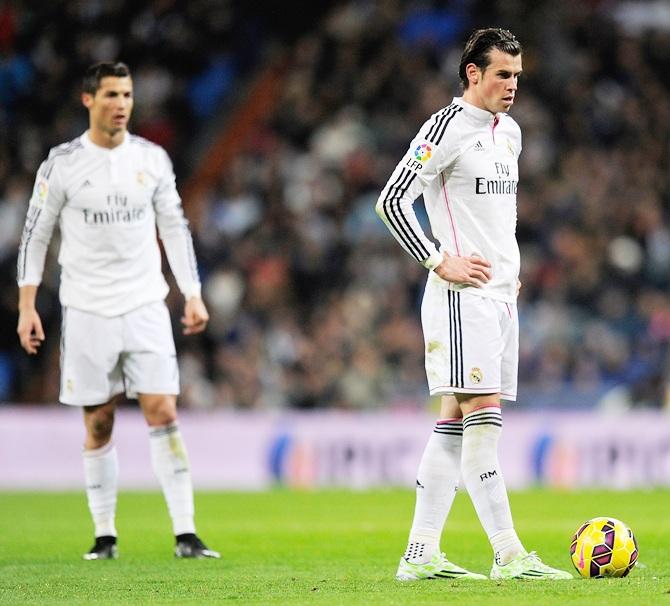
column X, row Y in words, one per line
column 479, row 146
column 87, row 183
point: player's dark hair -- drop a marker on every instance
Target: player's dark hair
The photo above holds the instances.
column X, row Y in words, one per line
column 478, row 49
column 98, row 71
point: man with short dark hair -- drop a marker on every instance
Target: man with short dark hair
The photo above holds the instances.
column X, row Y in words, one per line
column 464, row 161
column 108, row 190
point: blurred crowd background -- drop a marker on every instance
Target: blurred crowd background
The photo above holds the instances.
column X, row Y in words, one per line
column 313, row 303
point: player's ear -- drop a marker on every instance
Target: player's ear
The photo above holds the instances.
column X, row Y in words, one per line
column 87, row 100
column 473, row 73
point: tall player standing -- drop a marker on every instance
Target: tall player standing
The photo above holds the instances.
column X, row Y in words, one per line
column 464, row 161
column 108, row 190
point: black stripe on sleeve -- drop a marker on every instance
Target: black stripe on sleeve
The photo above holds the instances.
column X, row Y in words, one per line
column 400, row 187
column 191, row 254
column 438, row 120
column 31, row 220
column 445, row 123
column 419, row 245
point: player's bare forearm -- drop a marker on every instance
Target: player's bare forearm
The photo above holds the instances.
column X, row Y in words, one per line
column 464, row 270
column 27, row 296
column 29, row 329
column 195, row 316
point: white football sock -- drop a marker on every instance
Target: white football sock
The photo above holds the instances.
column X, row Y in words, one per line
column 101, row 472
column 484, row 481
column 436, row 485
column 506, row 546
column 171, row 465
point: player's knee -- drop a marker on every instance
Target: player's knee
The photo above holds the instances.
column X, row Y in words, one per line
column 165, row 417
column 99, row 428
column 161, row 410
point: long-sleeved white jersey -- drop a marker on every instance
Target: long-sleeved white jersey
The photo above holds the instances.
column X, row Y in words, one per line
column 464, row 161
column 107, row 203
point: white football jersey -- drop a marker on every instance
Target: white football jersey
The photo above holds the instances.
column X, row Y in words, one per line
column 464, row 161
column 108, row 203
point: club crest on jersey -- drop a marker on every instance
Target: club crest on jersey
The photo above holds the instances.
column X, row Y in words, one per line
column 510, row 148
column 476, row 375
column 141, row 179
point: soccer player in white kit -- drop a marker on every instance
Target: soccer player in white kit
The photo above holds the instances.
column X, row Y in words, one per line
column 108, row 190
column 464, row 162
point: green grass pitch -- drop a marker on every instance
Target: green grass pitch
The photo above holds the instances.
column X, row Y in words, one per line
column 330, row 547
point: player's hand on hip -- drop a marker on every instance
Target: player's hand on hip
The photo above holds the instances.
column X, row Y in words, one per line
column 30, row 331
column 472, row 270
column 195, row 316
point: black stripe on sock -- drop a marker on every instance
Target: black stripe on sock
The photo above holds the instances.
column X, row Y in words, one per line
column 449, row 433
column 475, row 423
column 163, row 431
column 482, row 415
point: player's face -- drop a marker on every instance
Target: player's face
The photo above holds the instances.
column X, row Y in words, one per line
column 110, row 107
column 494, row 88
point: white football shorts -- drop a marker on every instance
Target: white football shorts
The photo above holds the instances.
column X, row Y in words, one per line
column 102, row 357
column 471, row 342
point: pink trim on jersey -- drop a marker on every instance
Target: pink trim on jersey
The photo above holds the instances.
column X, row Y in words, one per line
column 492, row 405
column 509, row 310
column 493, row 128
column 447, row 421
column 451, row 217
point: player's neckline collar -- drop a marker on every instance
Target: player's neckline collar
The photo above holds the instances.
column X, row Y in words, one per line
column 87, row 143
column 482, row 115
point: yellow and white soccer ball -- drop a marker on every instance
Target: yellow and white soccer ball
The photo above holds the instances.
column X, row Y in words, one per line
column 603, row 547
